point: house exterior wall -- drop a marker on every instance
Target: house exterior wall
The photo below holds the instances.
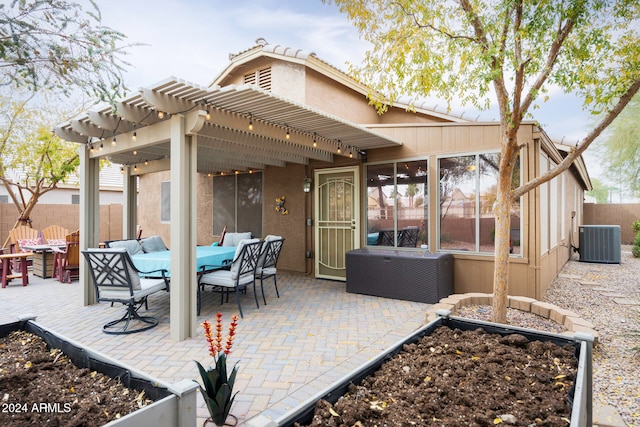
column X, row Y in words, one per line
column 277, row 182
column 545, row 246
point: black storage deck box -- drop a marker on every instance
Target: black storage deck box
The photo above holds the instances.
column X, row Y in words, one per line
column 406, row 275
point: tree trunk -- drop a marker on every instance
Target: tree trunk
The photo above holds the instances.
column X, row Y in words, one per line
column 502, row 213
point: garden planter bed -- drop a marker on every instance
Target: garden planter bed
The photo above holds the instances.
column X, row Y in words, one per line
column 46, row 379
column 452, row 373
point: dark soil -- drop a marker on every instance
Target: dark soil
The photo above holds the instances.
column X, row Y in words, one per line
column 42, row 387
column 456, row 378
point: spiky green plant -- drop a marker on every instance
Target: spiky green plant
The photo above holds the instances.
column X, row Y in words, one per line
column 217, row 386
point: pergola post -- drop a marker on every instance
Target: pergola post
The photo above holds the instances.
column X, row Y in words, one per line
column 183, row 232
column 130, row 204
column 89, row 172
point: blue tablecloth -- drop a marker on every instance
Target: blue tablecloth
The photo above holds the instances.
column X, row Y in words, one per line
column 205, row 255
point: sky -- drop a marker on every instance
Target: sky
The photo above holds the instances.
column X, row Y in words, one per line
column 192, row 40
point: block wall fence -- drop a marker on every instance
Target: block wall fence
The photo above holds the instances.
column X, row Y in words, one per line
column 623, row 214
column 67, row 216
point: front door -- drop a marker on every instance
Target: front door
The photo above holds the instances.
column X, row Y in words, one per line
column 337, row 220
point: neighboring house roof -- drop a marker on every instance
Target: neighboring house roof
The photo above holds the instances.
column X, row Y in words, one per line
column 312, row 61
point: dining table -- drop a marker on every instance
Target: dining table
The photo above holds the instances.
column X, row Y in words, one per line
column 209, row 257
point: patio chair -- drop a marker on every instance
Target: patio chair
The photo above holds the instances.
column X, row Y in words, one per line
column 66, row 262
column 23, row 236
column 385, row 238
column 268, row 261
column 54, row 235
column 116, row 279
column 408, row 237
column 240, row 273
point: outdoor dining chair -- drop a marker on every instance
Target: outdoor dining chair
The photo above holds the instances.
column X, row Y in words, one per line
column 268, row 261
column 117, row 280
column 240, row 274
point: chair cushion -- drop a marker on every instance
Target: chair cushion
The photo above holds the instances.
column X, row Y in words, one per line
column 233, row 239
column 28, row 242
column 132, row 246
column 146, row 287
column 269, row 271
column 224, row 278
column 263, row 252
column 153, row 244
column 235, row 267
column 56, row 242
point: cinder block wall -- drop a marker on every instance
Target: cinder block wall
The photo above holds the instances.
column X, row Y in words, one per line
column 623, row 214
column 67, row 216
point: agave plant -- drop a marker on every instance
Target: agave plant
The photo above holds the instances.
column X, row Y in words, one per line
column 217, row 385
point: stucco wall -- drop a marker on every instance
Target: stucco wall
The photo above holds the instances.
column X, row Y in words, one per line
column 277, row 182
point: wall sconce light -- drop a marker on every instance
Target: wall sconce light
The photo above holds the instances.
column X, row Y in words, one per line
column 306, row 185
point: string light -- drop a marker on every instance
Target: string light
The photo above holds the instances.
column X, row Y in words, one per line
column 315, row 143
column 288, row 135
column 134, row 137
column 208, row 115
column 250, row 123
column 135, row 152
column 161, row 114
column 113, row 141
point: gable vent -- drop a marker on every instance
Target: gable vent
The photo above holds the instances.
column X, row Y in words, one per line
column 260, row 78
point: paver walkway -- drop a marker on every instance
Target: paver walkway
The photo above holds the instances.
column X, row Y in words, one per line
column 288, row 350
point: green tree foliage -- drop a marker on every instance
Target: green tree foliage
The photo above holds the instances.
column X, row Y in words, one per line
column 620, row 148
column 33, row 160
column 56, row 45
column 599, row 191
column 507, row 52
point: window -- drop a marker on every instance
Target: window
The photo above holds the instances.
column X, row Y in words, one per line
column 237, row 203
column 4, row 199
column 260, row 78
column 397, row 204
column 468, row 186
column 75, row 199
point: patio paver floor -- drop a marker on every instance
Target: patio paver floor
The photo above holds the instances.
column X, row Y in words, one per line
column 288, row 350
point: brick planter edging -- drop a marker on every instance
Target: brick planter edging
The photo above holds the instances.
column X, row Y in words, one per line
column 569, row 319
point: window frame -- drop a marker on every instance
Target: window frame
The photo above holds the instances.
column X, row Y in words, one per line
column 477, row 204
column 426, row 198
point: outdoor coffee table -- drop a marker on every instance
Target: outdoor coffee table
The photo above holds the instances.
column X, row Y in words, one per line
column 7, row 273
column 42, row 259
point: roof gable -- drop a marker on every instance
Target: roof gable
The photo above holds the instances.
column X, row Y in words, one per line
column 263, row 50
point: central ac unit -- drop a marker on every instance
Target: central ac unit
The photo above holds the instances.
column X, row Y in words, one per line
column 600, row 243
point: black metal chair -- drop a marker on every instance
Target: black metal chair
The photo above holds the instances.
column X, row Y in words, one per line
column 268, row 261
column 239, row 274
column 116, row 279
column 408, row 237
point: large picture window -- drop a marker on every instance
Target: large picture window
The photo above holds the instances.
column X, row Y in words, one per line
column 237, row 203
column 468, row 187
column 397, row 204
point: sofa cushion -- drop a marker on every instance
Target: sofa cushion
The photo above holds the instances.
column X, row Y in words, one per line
column 132, row 246
column 153, row 244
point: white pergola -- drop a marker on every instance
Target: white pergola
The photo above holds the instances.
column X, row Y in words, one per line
column 189, row 129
